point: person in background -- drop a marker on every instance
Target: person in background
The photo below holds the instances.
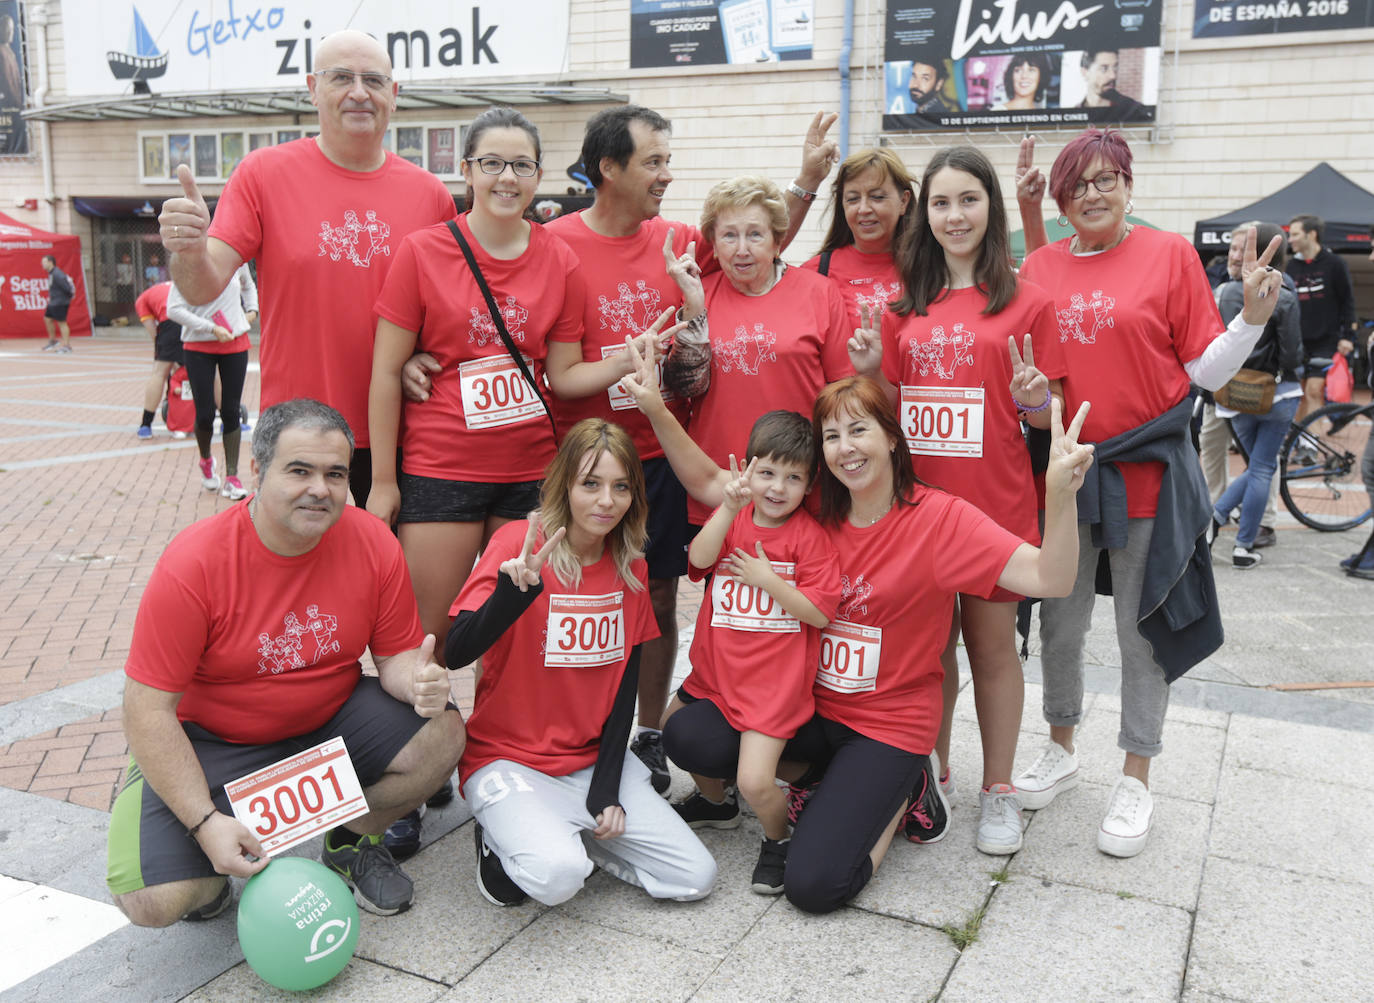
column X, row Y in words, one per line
column 61, row 289
column 1328, row 304
column 151, row 307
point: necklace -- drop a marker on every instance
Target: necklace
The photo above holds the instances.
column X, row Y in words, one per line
column 1078, row 248
column 864, row 520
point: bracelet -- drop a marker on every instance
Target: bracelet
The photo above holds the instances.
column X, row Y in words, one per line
column 800, row 192
column 1022, row 409
column 196, row 828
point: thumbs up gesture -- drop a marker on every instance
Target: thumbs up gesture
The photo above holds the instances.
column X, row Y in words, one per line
column 428, row 681
column 184, row 219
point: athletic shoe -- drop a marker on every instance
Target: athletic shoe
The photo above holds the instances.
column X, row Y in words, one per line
column 402, row 837
column 1127, row 824
column 1361, row 560
column 233, row 488
column 1213, row 529
column 178, row 434
column 699, row 812
column 379, row 884
column 145, row 432
column 64, row 349
column 208, row 480
column 768, row 872
column 214, row 907
column 1000, row 826
column 1365, row 568
column 947, row 785
column 797, row 797
column 50, row 346
column 1303, row 454
column 648, row 746
column 1266, row 537
column 1244, row 559
column 927, row 820
column 492, row 880
column 1052, row 773
column 443, row 796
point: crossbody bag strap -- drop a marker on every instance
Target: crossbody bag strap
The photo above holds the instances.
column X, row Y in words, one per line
column 500, row 322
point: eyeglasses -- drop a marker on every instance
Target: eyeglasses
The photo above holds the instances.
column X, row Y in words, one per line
column 1104, row 183
column 342, row 80
column 523, row 167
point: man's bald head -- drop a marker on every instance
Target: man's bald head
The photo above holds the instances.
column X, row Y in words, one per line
column 350, row 42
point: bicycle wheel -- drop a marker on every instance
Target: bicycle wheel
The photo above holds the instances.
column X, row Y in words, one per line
column 1319, row 468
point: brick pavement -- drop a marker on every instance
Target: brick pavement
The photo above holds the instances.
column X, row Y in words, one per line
column 88, row 509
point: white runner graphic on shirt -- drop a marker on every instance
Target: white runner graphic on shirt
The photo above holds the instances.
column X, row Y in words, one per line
column 356, row 240
column 748, row 351
column 1072, row 318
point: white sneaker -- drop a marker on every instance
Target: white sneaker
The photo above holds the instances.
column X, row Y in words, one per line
column 235, row 490
column 947, row 784
column 1055, row 771
column 208, row 479
column 1127, row 824
column 1000, row 827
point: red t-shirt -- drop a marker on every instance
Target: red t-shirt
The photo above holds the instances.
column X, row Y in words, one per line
column 768, row 353
column 152, row 302
column 1128, row 319
column 546, row 708
column 263, row 647
column 956, row 408
column 750, row 658
column 868, row 279
column 879, row 669
column 324, row 238
column 483, row 421
column 627, row 288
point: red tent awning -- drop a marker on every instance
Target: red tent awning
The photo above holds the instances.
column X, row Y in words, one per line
column 24, row 283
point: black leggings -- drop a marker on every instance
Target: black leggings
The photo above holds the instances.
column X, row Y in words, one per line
column 200, row 373
column 699, row 739
column 863, row 784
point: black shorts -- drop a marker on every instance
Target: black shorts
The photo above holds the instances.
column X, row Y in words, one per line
column 167, row 343
column 148, row 843
column 666, row 553
column 57, row 311
column 431, row 499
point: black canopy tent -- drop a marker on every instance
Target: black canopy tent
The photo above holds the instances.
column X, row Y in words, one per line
column 1346, row 208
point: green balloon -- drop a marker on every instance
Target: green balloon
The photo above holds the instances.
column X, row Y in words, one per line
column 298, row 923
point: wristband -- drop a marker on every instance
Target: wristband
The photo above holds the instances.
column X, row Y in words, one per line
column 1023, row 409
column 196, row 828
column 801, row 193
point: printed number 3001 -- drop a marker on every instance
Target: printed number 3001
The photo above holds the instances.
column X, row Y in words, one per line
column 288, row 801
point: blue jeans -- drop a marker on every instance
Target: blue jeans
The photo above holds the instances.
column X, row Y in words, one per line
column 1261, row 435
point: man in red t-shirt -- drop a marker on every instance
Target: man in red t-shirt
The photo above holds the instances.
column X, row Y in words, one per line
column 246, row 651
column 322, row 217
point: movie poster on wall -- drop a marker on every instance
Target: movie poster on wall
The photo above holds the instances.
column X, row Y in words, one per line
column 1020, row 63
column 14, row 134
column 706, row 32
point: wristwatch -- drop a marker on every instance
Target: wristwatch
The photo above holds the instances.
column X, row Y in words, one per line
column 801, row 193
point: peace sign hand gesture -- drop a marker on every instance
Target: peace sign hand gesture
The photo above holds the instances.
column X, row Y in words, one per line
column 1030, row 183
column 1029, row 386
column 642, row 381
column 652, row 339
column 1069, row 459
column 866, row 347
column 1262, row 283
column 524, row 569
column 684, row 270
column 736, row 490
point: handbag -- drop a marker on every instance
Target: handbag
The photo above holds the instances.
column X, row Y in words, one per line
column 500, row 323
column 1340, row 382
column 1250, row 391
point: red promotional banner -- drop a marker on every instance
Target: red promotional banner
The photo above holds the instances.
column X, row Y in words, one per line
column 24, row 282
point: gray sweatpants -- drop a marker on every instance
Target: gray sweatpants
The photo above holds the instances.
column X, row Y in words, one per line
column 1064, row 625
column 539, row 827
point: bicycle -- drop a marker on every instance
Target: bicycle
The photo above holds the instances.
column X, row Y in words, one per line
column 1319, row 470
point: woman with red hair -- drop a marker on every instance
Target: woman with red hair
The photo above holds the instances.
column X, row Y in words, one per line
column 1137, row 323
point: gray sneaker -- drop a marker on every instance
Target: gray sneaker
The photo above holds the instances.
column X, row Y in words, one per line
column 379, row 885
column 999, row 828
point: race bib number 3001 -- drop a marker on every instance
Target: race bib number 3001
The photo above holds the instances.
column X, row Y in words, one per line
column 943, row 422
column 585, row 630
column 288, row 802
column 849, row 657
column 744, row 607
column 495, row 392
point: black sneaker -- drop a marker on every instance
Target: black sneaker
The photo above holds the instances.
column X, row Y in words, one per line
column 768, row 872
column 1265, row 537
column 214, row 907
column 443, row 796
column 927, row 820
column 379, row 884
column 797, row 797
column 402, row 837
column 1244, row 559
column 492, row 880
column 648, row 746
column 701, row 813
